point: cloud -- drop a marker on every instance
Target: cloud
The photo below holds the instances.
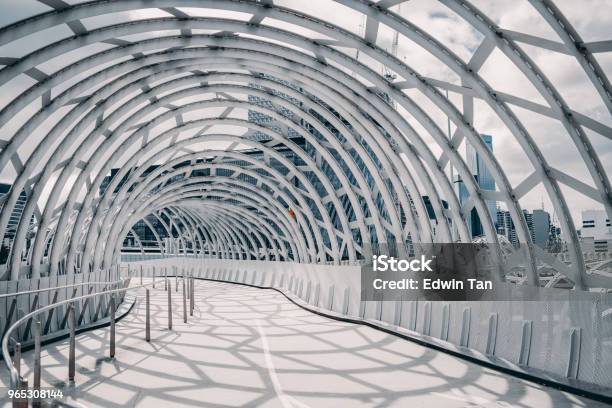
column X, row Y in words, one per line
column 591, row 19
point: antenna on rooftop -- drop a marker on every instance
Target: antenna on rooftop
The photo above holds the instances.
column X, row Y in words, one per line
column 362, row 25
column 386, row 71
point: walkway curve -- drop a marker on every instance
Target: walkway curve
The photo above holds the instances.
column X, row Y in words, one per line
column 251, row 347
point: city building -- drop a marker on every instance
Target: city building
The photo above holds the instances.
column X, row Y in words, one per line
column 542, row 231
column 596, row 232
column 11, row 227
column 541, row 222
column 485, row 181
column 265, row 120
column 431, row 213
column 13, row 223
column 262, row 119
column 505, row 226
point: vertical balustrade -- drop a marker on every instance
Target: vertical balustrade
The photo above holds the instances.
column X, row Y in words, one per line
column 169, row 306
column 22, row 402
column 184, row 302
column 188, row 284
column 17, row 364
column 37, row 368
column 72, row 343
column 112, row 325
column 191, row 293
column 17, row 358
column 147, row 318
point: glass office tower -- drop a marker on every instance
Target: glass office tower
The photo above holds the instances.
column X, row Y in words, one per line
column 485, row 180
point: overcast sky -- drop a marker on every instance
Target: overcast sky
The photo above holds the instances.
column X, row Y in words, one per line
column 591, row 18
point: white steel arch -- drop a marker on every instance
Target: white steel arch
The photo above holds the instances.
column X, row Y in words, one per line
column 344, row 171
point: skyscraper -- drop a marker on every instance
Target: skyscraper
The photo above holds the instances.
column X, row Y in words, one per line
column 263, row 119
column 14, row 220
column 485, row 181
column 541, row 228
column 538, row 227
column 13, row 223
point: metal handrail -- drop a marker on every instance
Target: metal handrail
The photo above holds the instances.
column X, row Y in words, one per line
column 14, row 375
column 27, row 292
column 15, row 379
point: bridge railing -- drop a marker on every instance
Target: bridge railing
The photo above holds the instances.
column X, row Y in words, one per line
column 24, row 295
column 561, row 335
column 52, row 322
column 110, row 298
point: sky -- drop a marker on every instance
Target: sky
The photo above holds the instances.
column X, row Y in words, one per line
column 591, row 18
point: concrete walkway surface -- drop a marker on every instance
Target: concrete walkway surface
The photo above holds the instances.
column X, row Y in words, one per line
column 248, row 347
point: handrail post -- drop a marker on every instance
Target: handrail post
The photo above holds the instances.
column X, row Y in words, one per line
column 165, row 278
column 140, row 274
column 17, row 364
column 191, row 301
column 175, row 278
column 153, row 277
column 72, row 343
column 22, row 402
column 148, row 318
column 112, row 325
column 17, row 359
column 37, row 368
column 169, row 306
column 188, row 285
column 184, row 302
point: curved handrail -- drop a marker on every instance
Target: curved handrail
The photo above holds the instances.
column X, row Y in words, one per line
column 14, row 375
column 27, row 292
